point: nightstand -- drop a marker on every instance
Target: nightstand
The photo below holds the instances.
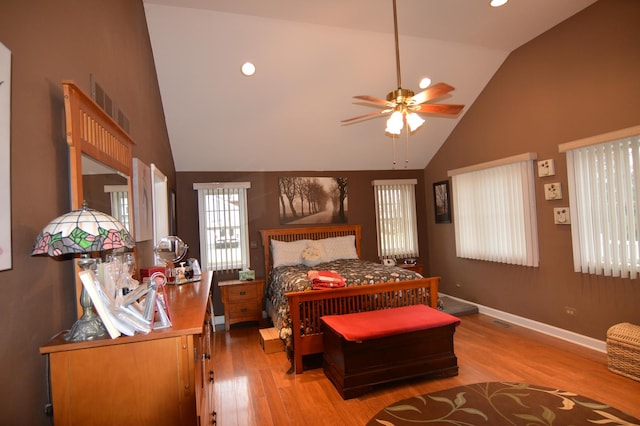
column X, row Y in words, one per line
column 242, row 300
column 415, row 268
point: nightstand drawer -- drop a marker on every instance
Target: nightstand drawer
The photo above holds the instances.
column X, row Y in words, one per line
column 242, row 292
column 240, row 310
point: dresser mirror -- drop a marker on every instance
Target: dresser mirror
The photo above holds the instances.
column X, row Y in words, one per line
column 100, row 159
column 106, row 190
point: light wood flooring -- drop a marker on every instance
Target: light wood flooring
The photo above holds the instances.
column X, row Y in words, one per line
column 254, row 388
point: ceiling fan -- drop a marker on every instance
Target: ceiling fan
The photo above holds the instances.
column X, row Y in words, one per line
column 404, row 104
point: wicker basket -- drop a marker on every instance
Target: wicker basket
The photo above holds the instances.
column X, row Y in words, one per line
column 623, row 350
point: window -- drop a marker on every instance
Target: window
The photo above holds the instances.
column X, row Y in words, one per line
column 119, row 203
column 604, row 181
column 396, row 218
column 494, row 209
column 222, row 208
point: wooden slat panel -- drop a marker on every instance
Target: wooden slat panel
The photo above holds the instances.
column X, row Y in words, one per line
column 307, row 307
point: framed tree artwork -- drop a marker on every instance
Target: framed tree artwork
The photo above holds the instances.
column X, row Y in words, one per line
column 312, row 200
column 441, row 201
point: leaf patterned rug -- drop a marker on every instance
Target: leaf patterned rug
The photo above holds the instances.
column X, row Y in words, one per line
column 499, row 403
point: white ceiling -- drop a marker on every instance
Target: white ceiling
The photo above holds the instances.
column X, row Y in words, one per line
column 311, row 58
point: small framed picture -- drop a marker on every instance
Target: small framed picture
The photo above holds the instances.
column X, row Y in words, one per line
column 441, row 201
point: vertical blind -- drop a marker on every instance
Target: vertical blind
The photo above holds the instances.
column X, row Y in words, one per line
column 395, row 204
column 604, row 181
column 494, row 212
column 223, row 216
column 119, row 203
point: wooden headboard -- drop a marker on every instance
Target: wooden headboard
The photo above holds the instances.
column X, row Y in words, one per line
column 306, row 233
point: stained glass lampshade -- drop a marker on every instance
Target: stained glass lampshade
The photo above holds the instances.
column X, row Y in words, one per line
column 82, row 232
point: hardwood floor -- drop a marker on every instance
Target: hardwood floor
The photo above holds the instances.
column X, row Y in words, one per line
column 254, row 388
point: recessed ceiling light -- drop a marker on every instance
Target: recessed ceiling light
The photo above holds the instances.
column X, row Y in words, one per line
column 498, row 3
column 425, row 82
column 248, row 69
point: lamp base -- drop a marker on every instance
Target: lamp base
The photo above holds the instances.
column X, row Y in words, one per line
column 89, row 326
column 86, row 329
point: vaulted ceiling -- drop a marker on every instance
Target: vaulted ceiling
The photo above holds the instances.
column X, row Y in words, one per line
column 311, row 59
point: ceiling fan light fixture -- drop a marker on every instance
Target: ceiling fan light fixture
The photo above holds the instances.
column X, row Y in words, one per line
column 404, row 104
column 395, row 123
column 414, row 121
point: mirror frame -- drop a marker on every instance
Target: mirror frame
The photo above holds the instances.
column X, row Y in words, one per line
column 160, row 204
column 90, row 131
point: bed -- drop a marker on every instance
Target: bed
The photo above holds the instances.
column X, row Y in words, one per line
column 290, row 299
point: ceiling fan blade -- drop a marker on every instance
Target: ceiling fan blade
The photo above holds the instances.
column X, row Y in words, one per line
column 374, row 100
column 432, row 92
column 438, row 109
column 370, row 115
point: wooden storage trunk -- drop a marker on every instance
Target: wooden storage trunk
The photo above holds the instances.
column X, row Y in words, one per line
column 355, row 366
column 270, row 341
column 623, row 350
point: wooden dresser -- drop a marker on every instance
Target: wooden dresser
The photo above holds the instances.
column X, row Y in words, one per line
column 242, row 300
column 160, row 378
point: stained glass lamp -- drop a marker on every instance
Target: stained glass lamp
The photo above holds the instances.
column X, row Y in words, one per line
column 82, row 232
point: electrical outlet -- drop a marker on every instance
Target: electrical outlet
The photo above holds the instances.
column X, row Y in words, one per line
column 570, row 311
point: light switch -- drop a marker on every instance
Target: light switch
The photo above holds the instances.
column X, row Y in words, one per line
column 546, row 168
column 553, row 191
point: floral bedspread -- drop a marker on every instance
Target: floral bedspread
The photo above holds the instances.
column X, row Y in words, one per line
column 285, row 279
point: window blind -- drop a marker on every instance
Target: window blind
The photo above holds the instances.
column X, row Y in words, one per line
column 603, row 197
column 119, row 203
column 494, row 211
column 396, row 222
column 223, row 222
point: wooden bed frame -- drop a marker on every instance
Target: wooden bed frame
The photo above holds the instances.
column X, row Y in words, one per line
column 306, row 307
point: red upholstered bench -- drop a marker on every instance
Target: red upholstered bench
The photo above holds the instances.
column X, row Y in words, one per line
column 368, row 348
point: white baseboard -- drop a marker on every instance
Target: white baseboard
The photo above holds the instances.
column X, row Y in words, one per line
column 560, row 333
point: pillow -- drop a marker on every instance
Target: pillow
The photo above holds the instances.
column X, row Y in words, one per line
column 287, row 253
column 311, row 256
column 318, row 247
column 340, row 247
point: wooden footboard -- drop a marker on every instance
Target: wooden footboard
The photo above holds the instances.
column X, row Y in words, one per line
column 306, row 308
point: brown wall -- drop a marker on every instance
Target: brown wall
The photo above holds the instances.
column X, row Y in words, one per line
column 576, row 80
column 52, row 41
column 264, row 208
